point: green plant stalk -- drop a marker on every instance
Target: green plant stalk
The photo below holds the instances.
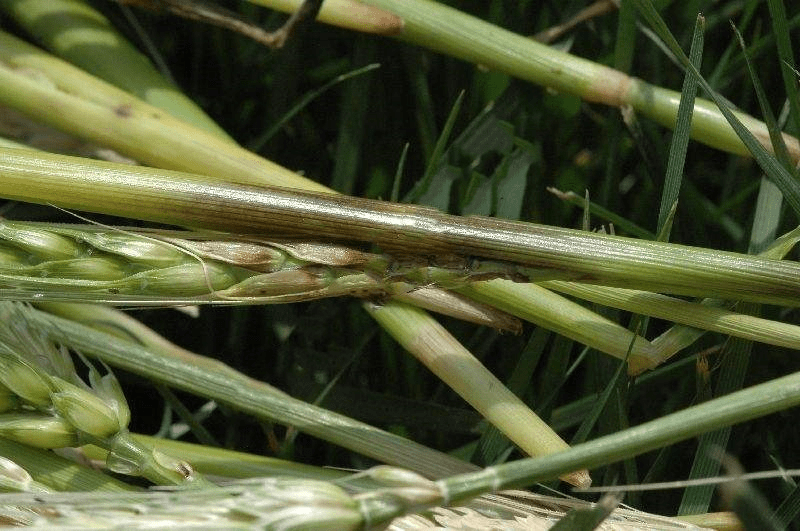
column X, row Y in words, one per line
column 554, row 312
column 757, row 401
column 74, row 28
column 552, row 253
column 708, row 314
column 465, row 375
column 705, row 316
column 166, row 363
column 95, row 110
column 441, row 28
column 59, row 473
column 225, row 463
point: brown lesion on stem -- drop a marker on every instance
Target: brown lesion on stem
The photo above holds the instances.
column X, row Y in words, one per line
column 213, row 14
column 124, row 110
column 608, row 86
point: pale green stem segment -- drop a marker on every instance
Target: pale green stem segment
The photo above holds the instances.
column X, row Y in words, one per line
column 706, row 316
column 164, row 362
column 59, row 473
column 709, row 314
column 552, row 253
column 83, row 36
column 444, row 29
column 455, row 366
column 554, row 312
column 58, row 94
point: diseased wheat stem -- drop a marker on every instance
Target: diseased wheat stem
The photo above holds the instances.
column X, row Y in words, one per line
column 48, row 262
column 551, row 253
column 217, row 167
column 41, row 262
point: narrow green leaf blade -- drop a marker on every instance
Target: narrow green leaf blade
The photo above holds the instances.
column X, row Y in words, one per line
column 788, row 185
column 680, row 139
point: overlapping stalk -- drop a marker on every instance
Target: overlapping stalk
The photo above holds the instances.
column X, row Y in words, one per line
column 548, row 252
column 45, row 262
column 74, row 262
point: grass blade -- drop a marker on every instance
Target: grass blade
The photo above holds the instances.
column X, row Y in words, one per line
column 787, row 183
column 261, row 141
column 680, row 138
column 778, row 145
column 786, row 55
column 435, row 161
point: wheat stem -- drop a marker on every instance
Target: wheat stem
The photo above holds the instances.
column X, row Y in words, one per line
column 551, row 252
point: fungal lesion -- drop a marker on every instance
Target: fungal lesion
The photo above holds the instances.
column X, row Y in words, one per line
column 123, row 110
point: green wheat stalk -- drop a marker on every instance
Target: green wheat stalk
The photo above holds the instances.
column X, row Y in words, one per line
column 550, row 253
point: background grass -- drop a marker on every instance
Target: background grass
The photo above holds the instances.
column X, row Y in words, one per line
column 497, row 161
